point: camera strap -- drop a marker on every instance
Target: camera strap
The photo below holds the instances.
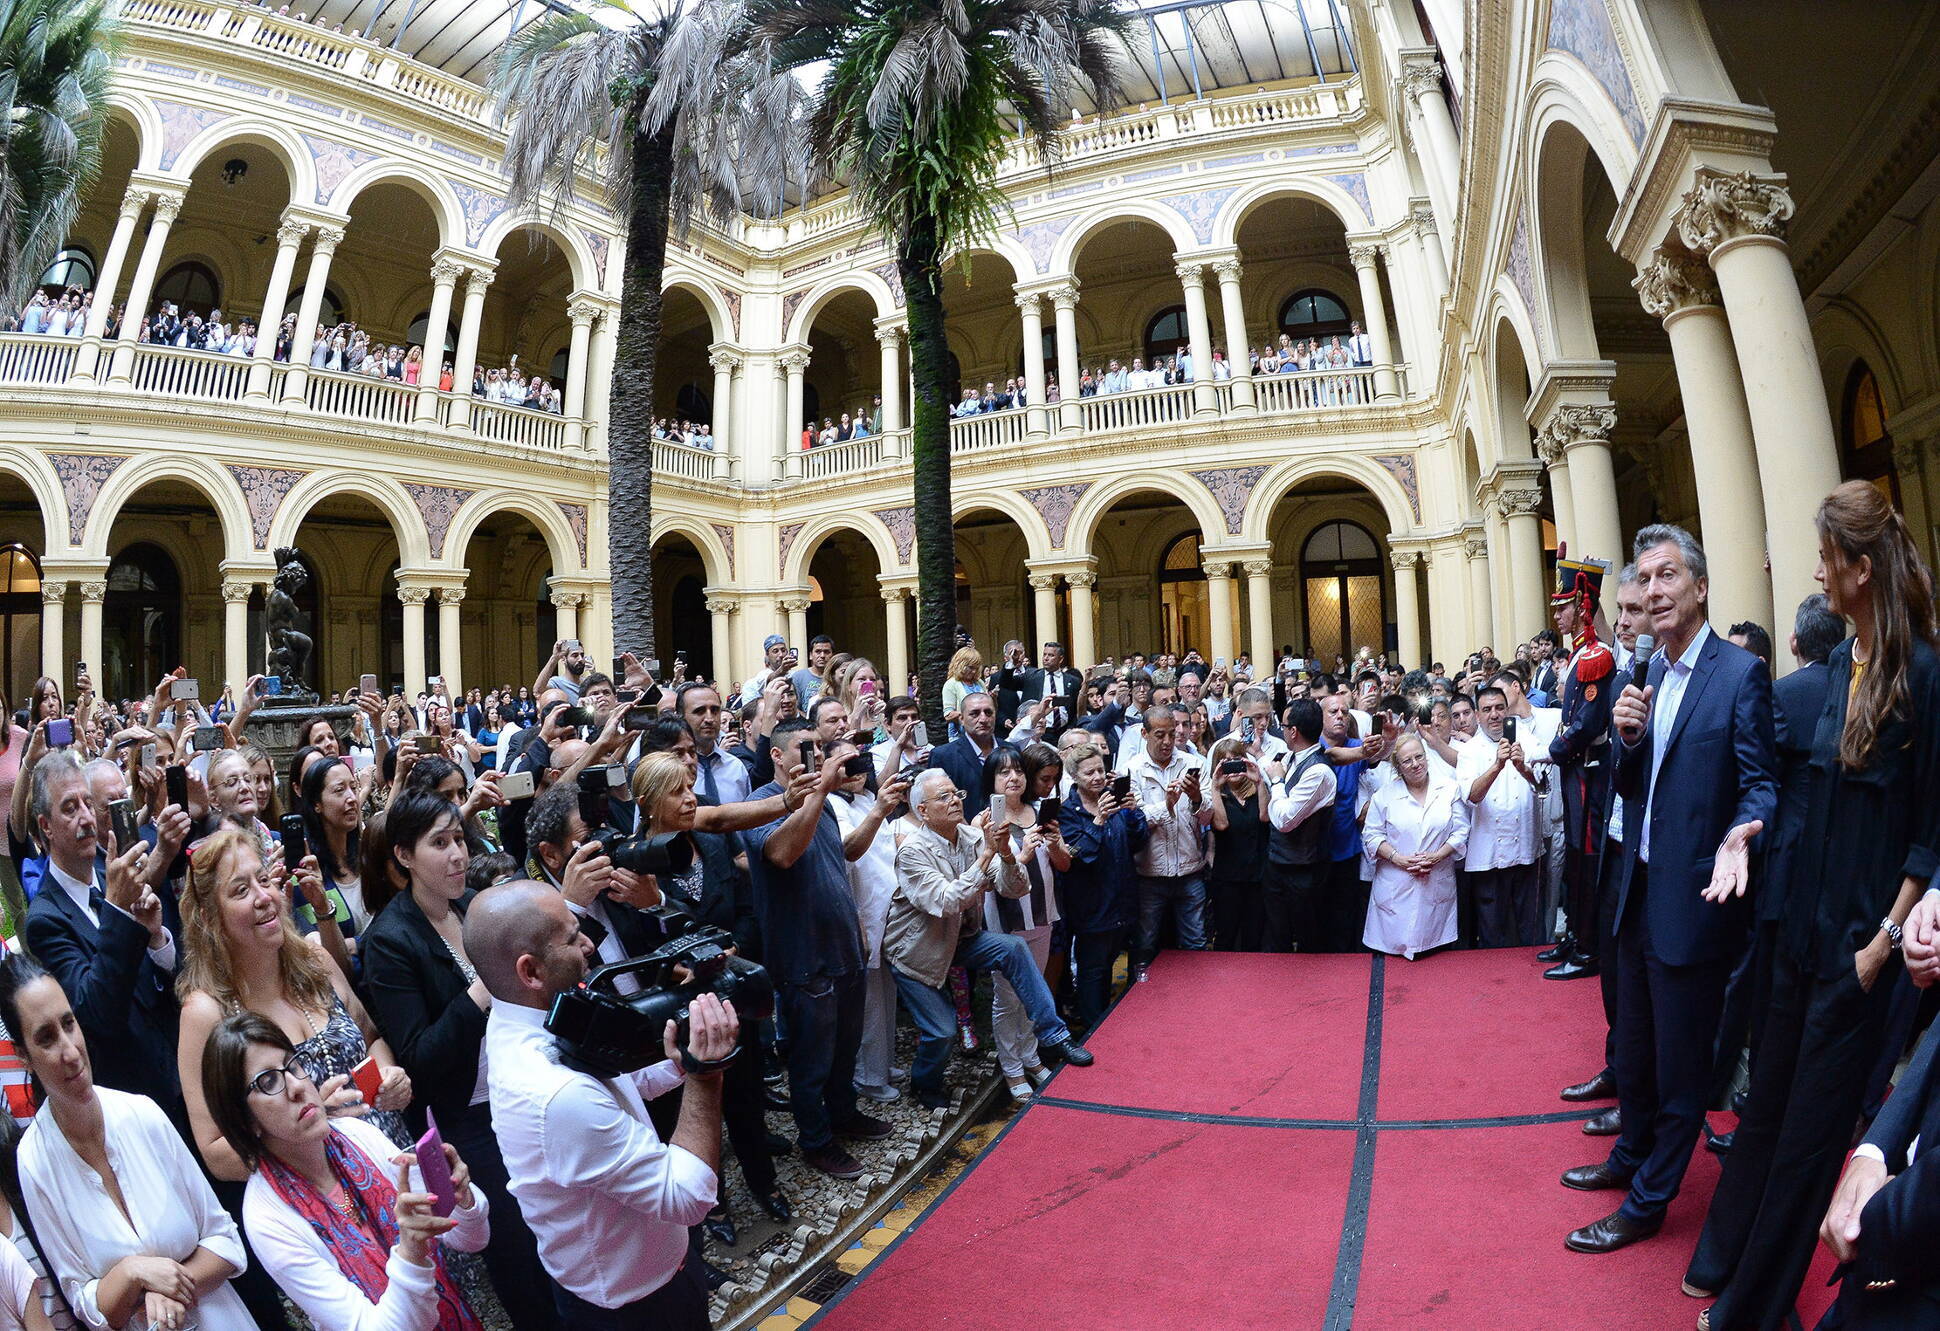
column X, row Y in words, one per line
column 691, row 1064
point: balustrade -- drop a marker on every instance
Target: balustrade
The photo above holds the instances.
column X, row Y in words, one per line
column 672, row 458
column 518, row 425
column 852, row 455
column 202, row 376
column 36, row 359
column 360, row 397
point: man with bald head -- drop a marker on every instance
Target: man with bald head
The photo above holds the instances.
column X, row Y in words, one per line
column 609, row 1202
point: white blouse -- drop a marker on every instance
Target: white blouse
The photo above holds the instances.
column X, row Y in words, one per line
column 173, row 1209
column 872, row 879
column 296, row 1259
column 16, row 1288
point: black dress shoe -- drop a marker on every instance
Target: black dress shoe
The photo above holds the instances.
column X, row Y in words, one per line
column 778, row 1101
column 713, row 1274
column 1070, row 1051
column 1606, row 1124
column 1614, row 1231
column 1600, row 1087
column 1719, row 1143
column 1559, row 951
column 1576, row 968
column 778, row 1144
column 1595, row 1178
column 775, row 1205
column 864, row 1128
column 720, row 1227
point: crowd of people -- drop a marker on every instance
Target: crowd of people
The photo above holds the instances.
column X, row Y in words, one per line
column 242, row 995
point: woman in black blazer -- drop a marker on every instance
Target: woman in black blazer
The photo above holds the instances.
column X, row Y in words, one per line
column 431, row 1005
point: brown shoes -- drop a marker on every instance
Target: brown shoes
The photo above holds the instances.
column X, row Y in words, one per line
column 1595, row 1178
column 1614, row 1231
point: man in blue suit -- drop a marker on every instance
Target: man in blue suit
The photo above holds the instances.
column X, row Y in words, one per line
column 963, row 757
column 1695, row 771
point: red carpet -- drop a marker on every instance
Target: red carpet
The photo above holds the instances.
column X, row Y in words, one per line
column 1237, row 1159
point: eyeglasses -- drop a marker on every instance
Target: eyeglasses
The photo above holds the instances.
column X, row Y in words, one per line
column 945, row 796
column 271, row 1081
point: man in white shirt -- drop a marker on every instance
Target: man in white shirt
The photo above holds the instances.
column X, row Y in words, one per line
column 1503, row 846
column 1170, row 788
column 1360, row 345
column 609, row 1203
column 774, row 652
column 1302, row 790
column 1536, row 729
column 719, row 776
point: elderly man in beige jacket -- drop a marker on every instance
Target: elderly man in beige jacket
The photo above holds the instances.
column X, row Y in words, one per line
column 943, row 869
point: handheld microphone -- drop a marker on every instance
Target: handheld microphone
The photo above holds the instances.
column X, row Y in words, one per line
column 1646, row 648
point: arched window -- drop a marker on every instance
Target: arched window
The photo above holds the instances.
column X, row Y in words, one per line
column 1313, row 313
column 1165, row 334
column 1865, row 448
column 141, row 620
column 420, row 329
column 331, row 312
column 190, row 285
column 20, row 609
column 1183, row 608
column 560, row 366
column 72, row 267
column 1345, row 590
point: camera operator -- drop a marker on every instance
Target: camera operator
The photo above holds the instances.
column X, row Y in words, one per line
column 608, row 900
column 608, row 1200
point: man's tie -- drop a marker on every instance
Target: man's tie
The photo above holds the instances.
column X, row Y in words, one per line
column 98, row 903
column 708, row 788
column 593, row 929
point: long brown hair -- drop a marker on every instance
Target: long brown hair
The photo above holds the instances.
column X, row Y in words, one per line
column 1855, row 521
column 206, row 964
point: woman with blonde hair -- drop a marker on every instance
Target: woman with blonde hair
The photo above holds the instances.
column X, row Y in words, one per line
column 859, row 686
column 242, row 952
column 965, row 678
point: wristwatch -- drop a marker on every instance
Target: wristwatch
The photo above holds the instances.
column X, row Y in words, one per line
column 1893, row 934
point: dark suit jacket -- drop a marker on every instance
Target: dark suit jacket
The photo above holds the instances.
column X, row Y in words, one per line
column 417, row 998
column 125, row 1003
column 1800, row 697
column 1899, row 1231
column 965, row 765
column 1717, row 772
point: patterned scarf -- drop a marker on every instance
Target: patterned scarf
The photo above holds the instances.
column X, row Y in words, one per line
column 359, row 1256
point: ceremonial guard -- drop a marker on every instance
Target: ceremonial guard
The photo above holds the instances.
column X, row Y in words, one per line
column 1581, row 752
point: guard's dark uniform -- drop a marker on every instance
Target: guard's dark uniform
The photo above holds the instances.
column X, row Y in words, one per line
column 1581, row 752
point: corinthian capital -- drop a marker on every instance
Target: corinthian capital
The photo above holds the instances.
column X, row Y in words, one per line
column 1044, row 582
column 291, row 233
column 1065, row 296
column 1258, row 568
column 721, row 605
column 1082, row 578
column 446, row 272
column 1674, row 280
column 1517, row 503
column 168, row 207
column 1364, row 255
column 1227, row 270
column 794, row 360
column 1421, row 75
column 413, row 595
column 1582, row 424
column 53, row 593
column 725, row 359
column 1403, row 560
column 582, row 312
column 236, row 593
column 1725, row 206
column 328, row 238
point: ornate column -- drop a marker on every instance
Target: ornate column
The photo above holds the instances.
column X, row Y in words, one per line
column 477, row 282
column 1084, row 628
column 322, row 249
column 1421, row 79
column 1219, row 602
column 451, row 646
column 53, row 629
column 1259, row 610
column 1064, row 307
column 1481, row 608
column 1044, row 606
column 566, row 620
column 889, row 338
column 794, row 364
column 168, row 206
column 796, row 608
column 93, row 594
column 599, row 376
column 1678, row 288
column 724, row 360
column 720, row 622
column 1232, row 309
column 895, row 618
column 1191, row 272
column 582, row 313
column 289, row 239
column 413, row 600
column 1549, row 449
column 88, row 357
column 1737, row 222
column 1407, row 606
column 445, row 272
column 235, row 629
column 1033, row 319
column 1582, row 437
column 1520, row 502
column 1374, row 313
column 1422, row 214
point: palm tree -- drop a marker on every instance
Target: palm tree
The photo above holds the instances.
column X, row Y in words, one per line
column 643, row 99
column 916, row 110
column 56, row 58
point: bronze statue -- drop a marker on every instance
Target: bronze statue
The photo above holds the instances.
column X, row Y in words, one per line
column 289, row 638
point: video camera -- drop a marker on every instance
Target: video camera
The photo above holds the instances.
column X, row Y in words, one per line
column 608, row 1035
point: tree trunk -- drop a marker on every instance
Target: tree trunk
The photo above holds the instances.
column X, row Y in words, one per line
column 929, row 419
column 629, row 411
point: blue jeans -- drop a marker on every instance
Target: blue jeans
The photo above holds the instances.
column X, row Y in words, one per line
column 935, row 1011
column 823, row 1019
column 1186, row 895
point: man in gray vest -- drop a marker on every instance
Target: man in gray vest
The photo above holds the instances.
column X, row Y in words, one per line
column 1302, row 786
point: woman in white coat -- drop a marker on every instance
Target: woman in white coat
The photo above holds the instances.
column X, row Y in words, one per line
column 1415, row 830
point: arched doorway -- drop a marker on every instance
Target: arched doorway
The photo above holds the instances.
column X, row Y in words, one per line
column 1345, row 591
column 141, row 621
column 1185, row 616
column 1865, row 448
column 680, row 618
column 844, row 597
column 20, row 609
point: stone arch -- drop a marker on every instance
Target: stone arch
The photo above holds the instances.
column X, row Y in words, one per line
column 290, row 152
column 390, row 498
column 720, row 321
column 1037, row 537
column 816, row 530
column 1082, row 532
column 1844, row 333
column 561, row 543
column 433, row 188
column 703, row 537
column 1561, row 91
column 579, row 255
column 1064, row 256
column 1508, row 317
column 1314, row 189
column 1560, row 260
column 1360, row 469
column 863, row 280
column 140, row 115
column 30, row 465
column 199, row 473
column 1004, row 246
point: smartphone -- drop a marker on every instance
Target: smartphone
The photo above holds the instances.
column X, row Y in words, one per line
column 366, row 1078
column 680, row 656
column 1048, row 810
column 121, row 814
column 921, row 734
column 150, row 755
column 1509, row 728
column 1233, row 767
column 572, row 645
column 619, row 667
column 295, row 840
column 1121, row 787
column 60, row 733
column 807, row 752
column 652, row 667
column 366, row 684
column 866, row 688
column 858, row 765
column 434, row 1170
column 80, row 673
column 186, row 689
column 270, row 686
column 793, row 656
column 208, row 739
column 176, row 779
column 516, row 785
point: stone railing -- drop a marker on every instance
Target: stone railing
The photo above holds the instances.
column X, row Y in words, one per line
column 678, row 461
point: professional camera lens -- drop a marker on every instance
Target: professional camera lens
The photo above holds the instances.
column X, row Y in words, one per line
column 670, row 853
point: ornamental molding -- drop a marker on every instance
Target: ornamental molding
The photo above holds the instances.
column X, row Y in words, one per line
column 1738, row 205
column 419, row 595
column 1686, row 135
column 1258, row 568
column 1085, row 578
column 1676, row 280
column 1519, row 503
column 1421, row 75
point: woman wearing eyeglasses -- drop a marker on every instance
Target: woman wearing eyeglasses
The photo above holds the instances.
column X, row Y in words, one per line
column 332, row 1209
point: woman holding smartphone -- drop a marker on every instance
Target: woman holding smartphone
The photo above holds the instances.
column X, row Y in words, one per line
column 1236, row 878
column 1040, row 848
column 1101, row 832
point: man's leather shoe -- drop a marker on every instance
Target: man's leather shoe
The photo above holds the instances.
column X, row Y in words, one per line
column 778, row 1101
column 1595, row 1178
column 864, row 1128
column 1719, row 1143
column 1614, row 1231
column 1560, row 951
column 833, row 1161
column 720, row 1227
column 1576, row 968
column 1070, row 1051
column 775, row 1205
column 1600, row 1087
column 1606, row 1124
column 713, row 1275
column 778, row 1144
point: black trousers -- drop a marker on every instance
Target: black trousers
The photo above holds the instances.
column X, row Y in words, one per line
column 1238, row 913
column 1095, row 953
column 512, row 1253
column 1346, row 904
column 678, row 1305
column 1291, row 906
column 744, row 1106
column 1821, row 1038
column 1606, row 944
column 1508, row 905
